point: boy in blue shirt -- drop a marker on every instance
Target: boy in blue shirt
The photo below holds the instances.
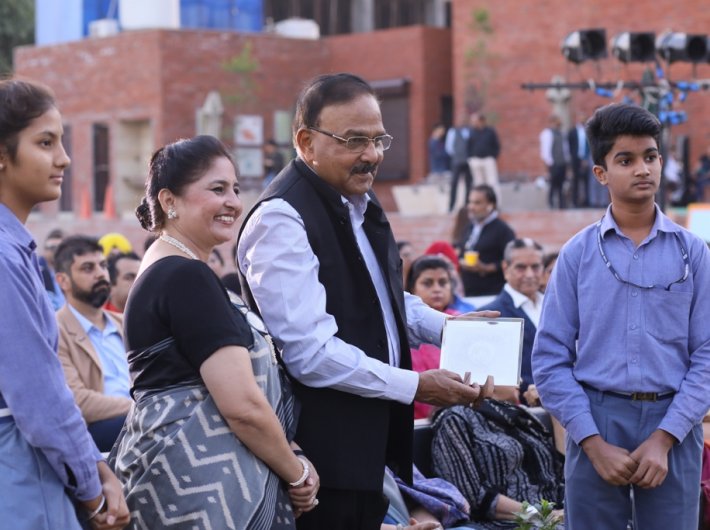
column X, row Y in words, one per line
column 622, row 354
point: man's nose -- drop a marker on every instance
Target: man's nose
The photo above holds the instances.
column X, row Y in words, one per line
column 371, row 153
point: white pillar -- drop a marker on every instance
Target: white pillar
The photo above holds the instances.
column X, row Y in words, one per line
column 362, row 15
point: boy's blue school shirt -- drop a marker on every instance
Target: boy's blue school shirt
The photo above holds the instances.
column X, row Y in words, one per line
column 612, row 336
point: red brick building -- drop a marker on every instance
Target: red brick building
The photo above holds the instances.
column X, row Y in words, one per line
column 499, row 44
column 125, row 95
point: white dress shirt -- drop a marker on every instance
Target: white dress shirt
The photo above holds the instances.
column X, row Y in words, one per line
column 282, row 271
column 521, row 301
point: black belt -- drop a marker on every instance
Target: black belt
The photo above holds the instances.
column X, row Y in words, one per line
column 632, row 396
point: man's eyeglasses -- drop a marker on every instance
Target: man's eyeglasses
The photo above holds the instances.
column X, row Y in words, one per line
column 357, row 144
column 684, row 254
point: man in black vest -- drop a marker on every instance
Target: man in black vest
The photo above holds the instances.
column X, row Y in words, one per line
column 319, row 260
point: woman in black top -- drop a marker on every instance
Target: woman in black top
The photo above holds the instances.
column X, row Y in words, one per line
column 207, row 442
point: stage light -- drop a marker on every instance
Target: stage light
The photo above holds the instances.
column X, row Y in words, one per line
column 634, row 47
column 682, row 47
column 585, row 44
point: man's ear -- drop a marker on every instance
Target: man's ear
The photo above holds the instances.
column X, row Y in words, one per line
column 600, row 175
column 304, row 143
column 63, row 281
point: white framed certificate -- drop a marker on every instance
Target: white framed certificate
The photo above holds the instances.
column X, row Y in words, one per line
column 483, row 347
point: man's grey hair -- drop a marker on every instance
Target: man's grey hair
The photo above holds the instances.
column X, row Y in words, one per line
column 522, row 242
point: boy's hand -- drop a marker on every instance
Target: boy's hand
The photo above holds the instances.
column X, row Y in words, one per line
column 614, row 464
column 652, row 458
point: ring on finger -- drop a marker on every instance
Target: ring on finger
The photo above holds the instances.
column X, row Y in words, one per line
column 315, row 501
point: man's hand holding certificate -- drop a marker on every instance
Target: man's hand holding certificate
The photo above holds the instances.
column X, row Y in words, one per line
column 444, row 388
column 484, row 347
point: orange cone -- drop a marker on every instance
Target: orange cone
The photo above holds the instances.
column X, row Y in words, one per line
column 109, row 205
column 85, row 209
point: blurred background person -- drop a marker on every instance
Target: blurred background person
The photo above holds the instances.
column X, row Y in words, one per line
column 122, row 272
column 273, row 161
column 439, row 162
column 115, row 243
column 406, row 254
column 702, row 175
column 579, row 156
column 448, row 252
column 482, row 245
column 215, row 261
column 548, row 262
column 458, row 147
column 485, row 148
column 554, row 152
column 46, row 267
column 91, row 346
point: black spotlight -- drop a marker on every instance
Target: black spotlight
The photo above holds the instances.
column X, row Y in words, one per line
column 674, row 47
column 585, row 44
column 634, row 47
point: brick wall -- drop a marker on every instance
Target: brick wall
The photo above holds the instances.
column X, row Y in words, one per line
column 164, row 76
column 420, row 54
column 524, row 46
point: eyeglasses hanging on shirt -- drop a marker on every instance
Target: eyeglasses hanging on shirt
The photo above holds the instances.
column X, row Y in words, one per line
column 683, row 253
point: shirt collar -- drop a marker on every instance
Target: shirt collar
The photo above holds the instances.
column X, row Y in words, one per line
column 10, row 224
column 489, row 218
column 661, row 223
column 358, row 202
column 87, row 326
column 519, row 298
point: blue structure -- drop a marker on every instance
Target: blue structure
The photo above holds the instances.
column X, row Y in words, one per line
column 59, row 21
column 234, row 15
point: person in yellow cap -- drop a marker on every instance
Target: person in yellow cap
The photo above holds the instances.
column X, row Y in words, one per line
column 115, row 243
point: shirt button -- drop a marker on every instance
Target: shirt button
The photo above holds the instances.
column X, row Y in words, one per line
column 636, row 256
column 634, row 360
column 633, row 326
column 634, row 293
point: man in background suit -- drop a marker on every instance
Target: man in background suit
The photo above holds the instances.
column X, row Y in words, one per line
column 458, row 146
column 521, row 296
column 91, row 346
column 579, row 161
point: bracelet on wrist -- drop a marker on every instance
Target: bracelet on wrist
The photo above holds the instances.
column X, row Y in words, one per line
column 304, row 476
column 98, row 509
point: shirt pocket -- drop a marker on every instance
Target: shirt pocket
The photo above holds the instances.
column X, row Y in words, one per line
column 667, row 314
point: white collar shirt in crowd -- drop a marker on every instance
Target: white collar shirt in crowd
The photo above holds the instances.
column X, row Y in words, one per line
column 532, row 309
column 477, row 228
column 282, row 272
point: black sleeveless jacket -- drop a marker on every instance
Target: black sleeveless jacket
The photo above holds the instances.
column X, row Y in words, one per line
column 349, row 438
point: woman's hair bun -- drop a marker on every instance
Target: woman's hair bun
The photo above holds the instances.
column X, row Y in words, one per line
column 144, row 216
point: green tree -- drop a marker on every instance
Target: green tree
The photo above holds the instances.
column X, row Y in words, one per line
column 478, row 70
column 17, row 27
